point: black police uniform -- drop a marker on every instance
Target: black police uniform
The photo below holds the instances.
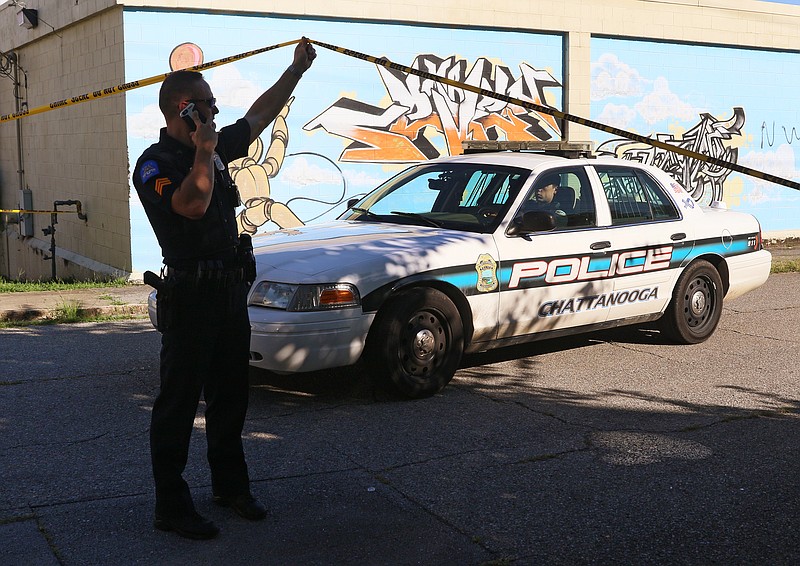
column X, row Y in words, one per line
column 553, row 207
column 203, row 318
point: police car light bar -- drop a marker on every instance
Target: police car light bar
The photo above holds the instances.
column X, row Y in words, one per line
column 562, row 148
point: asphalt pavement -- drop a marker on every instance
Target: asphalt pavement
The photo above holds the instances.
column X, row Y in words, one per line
column 611, row 448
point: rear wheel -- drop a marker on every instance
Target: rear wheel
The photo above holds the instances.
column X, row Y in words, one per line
column 416, row 342
column 696, row 306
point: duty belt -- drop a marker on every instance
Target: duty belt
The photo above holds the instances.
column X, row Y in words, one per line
column 219, row 275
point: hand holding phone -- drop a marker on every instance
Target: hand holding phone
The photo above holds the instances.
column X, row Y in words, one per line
column 186, row 114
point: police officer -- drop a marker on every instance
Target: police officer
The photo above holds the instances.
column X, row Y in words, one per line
column 190, row 200
column 543, row 198
column 545, row 193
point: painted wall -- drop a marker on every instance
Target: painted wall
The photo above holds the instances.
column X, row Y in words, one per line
column 739, row 105
column 351, row 124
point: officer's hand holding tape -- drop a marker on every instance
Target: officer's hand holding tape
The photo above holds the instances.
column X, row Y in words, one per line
column 304, row 55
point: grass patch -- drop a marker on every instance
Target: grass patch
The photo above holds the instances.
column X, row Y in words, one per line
column 786, row 266
column 66, row 316
column 111, row 299
column 7, row 286
column 69, row 311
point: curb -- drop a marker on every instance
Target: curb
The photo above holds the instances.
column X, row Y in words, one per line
column 73, row 304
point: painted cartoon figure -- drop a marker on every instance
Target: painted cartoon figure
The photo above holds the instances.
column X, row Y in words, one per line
column 252, row 174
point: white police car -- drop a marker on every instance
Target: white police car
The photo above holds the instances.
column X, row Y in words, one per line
column 454, row 255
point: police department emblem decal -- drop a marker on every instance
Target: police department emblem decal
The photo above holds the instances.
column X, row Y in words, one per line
column 486, row 267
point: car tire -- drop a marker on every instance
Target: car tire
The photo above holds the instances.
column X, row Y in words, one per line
column 416, row 342
column 696, row 305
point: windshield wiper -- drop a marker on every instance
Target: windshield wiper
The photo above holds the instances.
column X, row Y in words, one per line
column 418, row 216
column 365, row 212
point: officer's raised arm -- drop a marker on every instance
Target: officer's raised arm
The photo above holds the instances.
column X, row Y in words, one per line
column 269, row 104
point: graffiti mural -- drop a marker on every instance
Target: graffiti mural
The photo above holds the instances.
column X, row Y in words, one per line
column 351, row 124
column 726, row 103
column 710, row 136
column 423, row 111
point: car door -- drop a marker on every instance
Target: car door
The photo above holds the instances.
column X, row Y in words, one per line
column 646, row 238
column 554, row 279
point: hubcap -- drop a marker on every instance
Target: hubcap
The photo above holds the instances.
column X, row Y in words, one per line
column 424, row 343
column 698, row 303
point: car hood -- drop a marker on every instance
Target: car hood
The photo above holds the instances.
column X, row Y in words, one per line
column 343, row 249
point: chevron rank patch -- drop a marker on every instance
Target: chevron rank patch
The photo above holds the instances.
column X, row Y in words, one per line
column 161, row 183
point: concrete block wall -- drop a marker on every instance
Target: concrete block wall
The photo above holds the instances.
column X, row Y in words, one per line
column 77, row 152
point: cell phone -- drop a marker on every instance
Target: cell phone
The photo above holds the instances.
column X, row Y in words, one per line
column 186, row 114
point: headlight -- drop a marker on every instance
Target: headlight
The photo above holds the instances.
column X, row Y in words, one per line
column 273, row 295
column 305, row 297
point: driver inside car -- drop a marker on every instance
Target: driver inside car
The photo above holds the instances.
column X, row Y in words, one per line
column 543, row 198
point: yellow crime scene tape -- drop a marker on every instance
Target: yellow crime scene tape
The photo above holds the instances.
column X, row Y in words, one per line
column 424, row 74
column 23, row 211
column 94, row 95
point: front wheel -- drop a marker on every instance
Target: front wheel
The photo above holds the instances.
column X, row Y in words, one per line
column 696, row 305
column 416, row 342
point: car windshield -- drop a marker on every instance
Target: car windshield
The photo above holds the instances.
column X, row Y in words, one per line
column 458, row 196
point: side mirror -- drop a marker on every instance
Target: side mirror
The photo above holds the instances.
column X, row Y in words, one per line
column 532, row 221
column 352, row 202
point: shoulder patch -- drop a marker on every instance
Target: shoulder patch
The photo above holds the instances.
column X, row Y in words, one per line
column 147, row 170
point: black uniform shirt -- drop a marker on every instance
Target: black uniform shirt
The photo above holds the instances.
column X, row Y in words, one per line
column 160, row 171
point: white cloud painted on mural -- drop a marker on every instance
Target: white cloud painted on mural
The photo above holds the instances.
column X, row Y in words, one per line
column 146, row 123
column 614, row 78
column 231, row 89
column 300, row 172
column 617, row 115
column 611, row 77
column 663, row 104
column 781, row 162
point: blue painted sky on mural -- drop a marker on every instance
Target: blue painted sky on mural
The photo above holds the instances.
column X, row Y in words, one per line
column 661, row 89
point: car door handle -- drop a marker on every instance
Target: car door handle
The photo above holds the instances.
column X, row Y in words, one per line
column 601, row 245
column 678, row 236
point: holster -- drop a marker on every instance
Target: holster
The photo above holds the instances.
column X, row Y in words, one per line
column 163, row 287
column 246, row 258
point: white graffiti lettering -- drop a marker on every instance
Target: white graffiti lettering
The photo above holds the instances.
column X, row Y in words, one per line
column 423, row 110
column 712, row 136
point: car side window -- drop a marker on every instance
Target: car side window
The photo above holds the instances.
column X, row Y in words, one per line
column 567, row 194
column 634, row 197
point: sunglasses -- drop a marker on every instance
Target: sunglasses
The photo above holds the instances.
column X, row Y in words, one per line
column 210, row 101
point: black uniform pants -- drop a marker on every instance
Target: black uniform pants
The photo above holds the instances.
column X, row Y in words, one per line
column 205, row 349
